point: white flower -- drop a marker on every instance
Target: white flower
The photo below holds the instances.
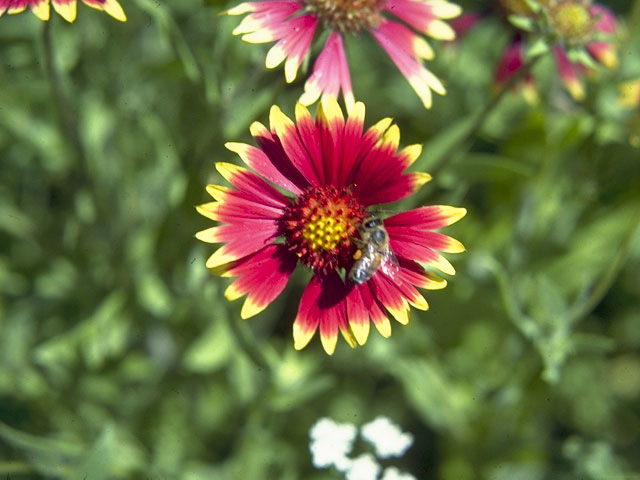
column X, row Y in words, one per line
column 331, row 443
column 386, row 438
column 392, row 473
column 363, row 467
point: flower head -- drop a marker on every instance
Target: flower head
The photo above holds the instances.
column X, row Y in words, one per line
column 292, row 24
column 386, row 437
column 333, row 173
column 331, row 443
column 580, row 35
column 67, row 9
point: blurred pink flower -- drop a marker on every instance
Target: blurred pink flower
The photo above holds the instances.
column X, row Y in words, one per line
column 292, row 24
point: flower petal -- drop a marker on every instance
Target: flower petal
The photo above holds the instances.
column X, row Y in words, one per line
column 262, row 275
column 330, row 121
column 375, row 309
column 568, row 74
column 425, row 16
column 406, row 49
column 323, row 304
column 251, row 185
column 426, row 218
column 330, row 74
column 111, row 7
column 294, row 39
column 389, row 296
column 287, row 133
column 358, row 315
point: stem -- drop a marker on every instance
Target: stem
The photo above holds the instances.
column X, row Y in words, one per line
column 248, row 343
column 463, row 143
column 584, row 307
column 64, row 107
column 634, row 17
column 16, row 468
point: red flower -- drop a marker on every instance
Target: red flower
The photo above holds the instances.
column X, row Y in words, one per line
column 333, row 173
column 293, row 23
column 65, row 8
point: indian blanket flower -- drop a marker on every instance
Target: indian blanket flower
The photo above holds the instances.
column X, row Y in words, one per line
column 67, row 9
column 292, row 24
column 333, row 173
column 580, row 34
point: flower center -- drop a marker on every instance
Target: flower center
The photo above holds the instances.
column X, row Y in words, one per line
column 320, row 226
column 347, row 15
column 572, row 21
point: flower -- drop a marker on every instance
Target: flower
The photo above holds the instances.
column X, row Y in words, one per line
column 579, row 33
column 333, row 172
column 292, row 24
column 363, row 467
column 629, row 93
column 331, row 443
column 66, row 8
column 392, row 473
column 386, row 438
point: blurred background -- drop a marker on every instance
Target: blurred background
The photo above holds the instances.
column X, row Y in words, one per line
column 119, row 356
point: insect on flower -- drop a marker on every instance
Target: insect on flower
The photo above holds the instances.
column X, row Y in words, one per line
column 374, row 252
column 330, row 173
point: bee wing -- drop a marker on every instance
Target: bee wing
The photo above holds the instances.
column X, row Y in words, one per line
column 390, row 265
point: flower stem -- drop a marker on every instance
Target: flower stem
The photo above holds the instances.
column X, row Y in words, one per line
column 582, row 308
column 634, row 17
column 64, row 107
column 461, row 142
column 248, row 343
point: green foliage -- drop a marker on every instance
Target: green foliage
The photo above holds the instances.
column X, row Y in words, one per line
column 120, row 357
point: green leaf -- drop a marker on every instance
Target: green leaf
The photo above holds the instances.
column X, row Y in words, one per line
column 523, row 23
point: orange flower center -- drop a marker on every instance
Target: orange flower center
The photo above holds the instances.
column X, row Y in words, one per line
column 572, row 21
column 320, row 225
column 347, row 15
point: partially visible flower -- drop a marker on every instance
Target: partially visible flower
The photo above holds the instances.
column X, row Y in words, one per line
column 629, row 93
column 630, row 98
column 292, row 24
column 332, row 172
column 331, row 443
column 67, row 9
column 386, row 438
column 363, row 467
column 581, row 35
column 392, row 473
column 511, row 62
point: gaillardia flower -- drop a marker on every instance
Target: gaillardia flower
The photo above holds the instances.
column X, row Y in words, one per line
column 292, row 24
column 580, row 34
column 333, row 173
column 67, row 9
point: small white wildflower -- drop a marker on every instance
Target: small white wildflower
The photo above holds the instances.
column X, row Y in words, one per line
column 392, row 473
column 331, row 443
column 386, row 438
column 363, row 467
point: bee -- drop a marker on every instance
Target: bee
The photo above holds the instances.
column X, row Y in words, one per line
column 373, row 253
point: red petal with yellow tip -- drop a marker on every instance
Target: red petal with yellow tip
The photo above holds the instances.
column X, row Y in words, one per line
column 262, row 275
column 323, row 306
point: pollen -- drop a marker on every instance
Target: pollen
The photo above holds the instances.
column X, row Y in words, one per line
column 347, row 15
column 319, row 227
